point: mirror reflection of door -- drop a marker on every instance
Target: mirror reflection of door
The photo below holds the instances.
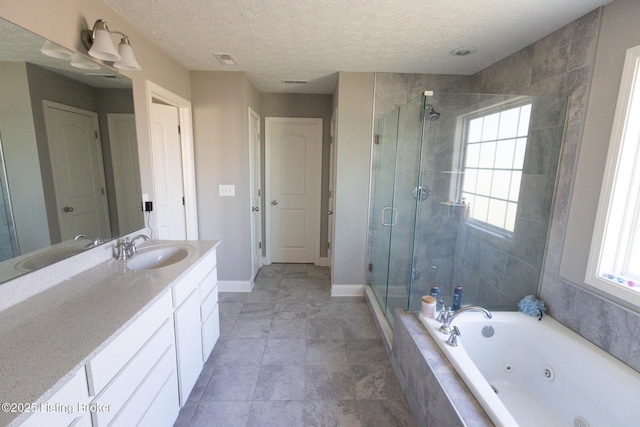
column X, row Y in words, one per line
column 167, row 173
column 77, row 167
column 124, row 155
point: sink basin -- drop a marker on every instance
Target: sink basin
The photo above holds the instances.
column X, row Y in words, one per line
column 48, row 257
column 158, row 256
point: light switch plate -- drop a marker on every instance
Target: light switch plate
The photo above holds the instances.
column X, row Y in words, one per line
column 227, row 190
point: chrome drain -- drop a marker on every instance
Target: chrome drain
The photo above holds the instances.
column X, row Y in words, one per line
column 580, row 422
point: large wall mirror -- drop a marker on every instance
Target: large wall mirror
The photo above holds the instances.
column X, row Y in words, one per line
column 68, row 153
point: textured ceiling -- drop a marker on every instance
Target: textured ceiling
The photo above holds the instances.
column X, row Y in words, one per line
column 312, row 40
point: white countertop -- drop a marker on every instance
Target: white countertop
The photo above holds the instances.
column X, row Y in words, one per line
column 48, row 337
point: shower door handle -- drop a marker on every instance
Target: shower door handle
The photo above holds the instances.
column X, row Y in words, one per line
column 394, row 216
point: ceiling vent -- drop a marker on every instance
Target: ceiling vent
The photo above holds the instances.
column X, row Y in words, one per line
column 294, row 82
column 225, row 59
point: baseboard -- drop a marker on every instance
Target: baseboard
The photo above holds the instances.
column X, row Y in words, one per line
column 324, row 262
column 347, row 290
column 235, row 285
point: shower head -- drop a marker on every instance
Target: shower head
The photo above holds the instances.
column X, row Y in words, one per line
column 433, row 114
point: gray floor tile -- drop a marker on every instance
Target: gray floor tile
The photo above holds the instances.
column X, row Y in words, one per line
column 335, row 413
column 243, row 351
column 280, row 383
column 292, row 355
column 367, row 352
column 285, row 328
column 231, row 383
column 276, row 414
column 221, row 414
column 329, row 383
column 375, row 382
column 377, row 413
column 326, row 352
column 290, row 351
column 324, row 328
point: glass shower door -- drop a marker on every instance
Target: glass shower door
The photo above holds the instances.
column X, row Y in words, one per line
column 396, row 193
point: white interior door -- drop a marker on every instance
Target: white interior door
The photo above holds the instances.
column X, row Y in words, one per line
column 256, row 192
column 293, row 162
column 78, row 171
column 126, row 170
column 167, row 173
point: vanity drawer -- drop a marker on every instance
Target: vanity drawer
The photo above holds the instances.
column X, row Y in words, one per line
column 160, row 386
column 120, row 390
column 210, row 332
column 208, row 304
column 66, row 407
column 193, row 278
column 106, row 364
column 208, row 284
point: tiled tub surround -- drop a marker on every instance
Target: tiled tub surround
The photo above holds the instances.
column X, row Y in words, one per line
column 47, row 337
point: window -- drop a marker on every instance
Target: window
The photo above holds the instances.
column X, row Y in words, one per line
column 495, row 145
column 614, row 259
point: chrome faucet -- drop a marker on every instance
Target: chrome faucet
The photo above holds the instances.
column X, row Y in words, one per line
column 94, row 241
column 126, row 248
column 448, row 316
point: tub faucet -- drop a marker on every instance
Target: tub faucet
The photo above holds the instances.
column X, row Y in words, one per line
column 448, row 317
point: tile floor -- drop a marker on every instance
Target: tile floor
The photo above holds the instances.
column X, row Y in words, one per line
column 291, row 355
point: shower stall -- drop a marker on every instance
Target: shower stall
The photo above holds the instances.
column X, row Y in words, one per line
column 462, row 188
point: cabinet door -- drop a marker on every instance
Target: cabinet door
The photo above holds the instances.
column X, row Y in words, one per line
column 188, row 344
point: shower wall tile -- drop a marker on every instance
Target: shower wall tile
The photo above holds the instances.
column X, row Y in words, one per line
column 528, row 244
column 583, row 42
column 551, row 54
column 507, row 76
column 534, row 204
column 543, row 149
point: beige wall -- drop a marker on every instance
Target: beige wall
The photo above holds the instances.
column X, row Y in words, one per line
column 354, row 94
column 62, row 20
column 221, row 102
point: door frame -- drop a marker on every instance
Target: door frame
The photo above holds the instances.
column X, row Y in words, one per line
column 255, row 169
column 267, row 189
column 157, row 92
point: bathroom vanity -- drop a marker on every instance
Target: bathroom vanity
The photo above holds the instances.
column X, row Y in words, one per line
column 112, row 345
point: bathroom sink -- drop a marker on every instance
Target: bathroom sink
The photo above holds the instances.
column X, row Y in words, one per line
column 48, row 257
column 153, row 257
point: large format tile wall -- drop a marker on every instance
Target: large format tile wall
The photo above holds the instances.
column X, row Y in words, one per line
column 560, row 64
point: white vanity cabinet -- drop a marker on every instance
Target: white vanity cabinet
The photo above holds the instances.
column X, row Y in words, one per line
column 191, row 342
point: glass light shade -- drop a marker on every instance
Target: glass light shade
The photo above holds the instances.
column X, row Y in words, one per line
column 55, row 51
column 83, row 63
column 128, row 61
column 103, row 47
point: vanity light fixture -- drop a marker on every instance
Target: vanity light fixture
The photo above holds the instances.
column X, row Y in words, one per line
column 100, row 45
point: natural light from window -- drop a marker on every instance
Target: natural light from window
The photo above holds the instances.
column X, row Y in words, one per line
column 614, row 260
column 495, row 149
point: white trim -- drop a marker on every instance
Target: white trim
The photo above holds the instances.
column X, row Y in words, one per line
column 347, row 290
column 323, row 261
column 623, row 127
column 186, row 142
column 253, row 170
column 235, row 285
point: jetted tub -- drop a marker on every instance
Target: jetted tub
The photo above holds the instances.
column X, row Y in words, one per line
column 526, row 372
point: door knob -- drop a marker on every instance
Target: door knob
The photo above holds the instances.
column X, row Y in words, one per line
column 255, row 209
column 67, row 209
column 275, row 202
column 330, row 213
